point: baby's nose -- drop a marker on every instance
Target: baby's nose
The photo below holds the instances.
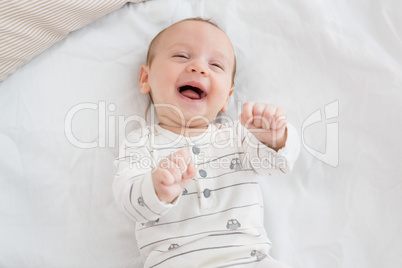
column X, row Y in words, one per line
column 198, row 67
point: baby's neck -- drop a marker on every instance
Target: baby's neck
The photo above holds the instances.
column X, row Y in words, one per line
column 185, row 131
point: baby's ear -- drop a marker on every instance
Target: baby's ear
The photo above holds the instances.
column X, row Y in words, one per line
column 224, row 108
column 143, row 79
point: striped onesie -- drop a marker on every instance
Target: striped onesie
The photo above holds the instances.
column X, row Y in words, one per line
column 217, row 221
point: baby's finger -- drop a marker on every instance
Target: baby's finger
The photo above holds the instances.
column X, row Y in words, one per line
column 258, row 112
column 281, row 122
column 167, row 176
column 246, row 117
column 190, row 172
column 267, row 116
column 280, row 119
column 181, row 158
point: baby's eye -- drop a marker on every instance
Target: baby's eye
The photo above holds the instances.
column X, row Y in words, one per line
column 181, row 55
column 220, row 66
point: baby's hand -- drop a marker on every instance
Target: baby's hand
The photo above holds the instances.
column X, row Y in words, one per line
column 172, row 174
column 267, row 122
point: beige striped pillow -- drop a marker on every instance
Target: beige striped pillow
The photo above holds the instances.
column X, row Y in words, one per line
column 28, row 27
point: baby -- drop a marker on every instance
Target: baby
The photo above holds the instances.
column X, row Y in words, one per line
column 191, row 184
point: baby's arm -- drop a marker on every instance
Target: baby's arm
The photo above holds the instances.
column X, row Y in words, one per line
column 267, row 122
column 140, row 184
column 172, row 174
column 272, row 141
column 143, row 190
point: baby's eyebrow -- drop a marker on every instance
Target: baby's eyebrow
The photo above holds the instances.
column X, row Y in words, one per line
column 177, row 45
column 222, row 56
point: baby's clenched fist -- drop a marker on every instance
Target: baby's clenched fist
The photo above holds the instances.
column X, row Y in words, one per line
column 172, row 174
column 267, row 122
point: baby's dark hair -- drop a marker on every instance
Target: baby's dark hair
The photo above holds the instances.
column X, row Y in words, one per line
column 150, row 54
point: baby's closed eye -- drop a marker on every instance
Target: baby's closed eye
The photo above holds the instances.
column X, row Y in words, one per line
column 217, row 65
column 181, row 55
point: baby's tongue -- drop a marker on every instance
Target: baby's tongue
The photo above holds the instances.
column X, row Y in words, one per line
column 191, row 94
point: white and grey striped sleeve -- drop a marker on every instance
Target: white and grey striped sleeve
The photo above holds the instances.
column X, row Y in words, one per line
column 266, row 161
column 133, row 188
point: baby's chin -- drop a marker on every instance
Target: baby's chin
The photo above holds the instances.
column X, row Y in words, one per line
column 188, row 121
column 196, row 122
column 186, row 118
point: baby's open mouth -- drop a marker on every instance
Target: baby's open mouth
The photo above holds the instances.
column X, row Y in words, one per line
column 191, row 92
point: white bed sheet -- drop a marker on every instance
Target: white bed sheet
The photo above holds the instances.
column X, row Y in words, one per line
column 341, row 206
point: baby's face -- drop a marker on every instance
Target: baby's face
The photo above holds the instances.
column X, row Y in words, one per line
column 190, row 77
